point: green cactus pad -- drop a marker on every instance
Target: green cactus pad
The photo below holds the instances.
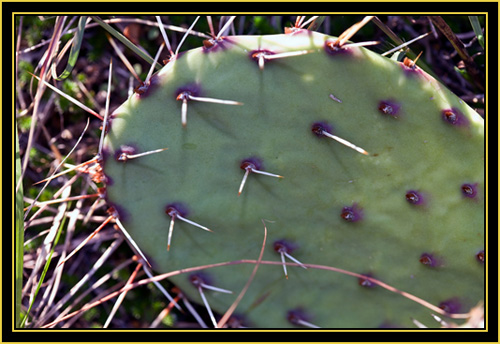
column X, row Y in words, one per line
column 409, row 213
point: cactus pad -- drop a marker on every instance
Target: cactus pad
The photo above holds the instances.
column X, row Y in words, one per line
column 352, row 159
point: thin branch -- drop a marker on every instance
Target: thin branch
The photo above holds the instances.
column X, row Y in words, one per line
column 235, row 304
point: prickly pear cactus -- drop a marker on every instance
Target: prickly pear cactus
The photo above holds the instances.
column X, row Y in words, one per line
column 352, row 159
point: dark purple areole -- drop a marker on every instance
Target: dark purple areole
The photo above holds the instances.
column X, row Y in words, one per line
column 174, row 209
column 198, row 279
column 389, row 107
column 454, row 117
column 480, row 256
column 124, row 151
column 237, row 321
column 251, row 163
column 189, row 90
column 255, row 55
column 366, row 282
column 414, row 197
column 452, row 305
column 352, row 213
column 298, row 315
column 469, row 190
column 319, row 128
column 428, row 259
column 145, row 89
column 116, row 210
column 284, row 246
column 333, row 48
column 212, row 45
column 259, row 56
column 410, row 68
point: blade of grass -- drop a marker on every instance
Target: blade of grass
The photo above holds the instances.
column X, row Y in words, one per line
column 316, row 23
column 393, row 36
column 477, row 29
column 52, row 285
column 19, row 235
column 46, row 267
column 126, row 42
column 75, row 49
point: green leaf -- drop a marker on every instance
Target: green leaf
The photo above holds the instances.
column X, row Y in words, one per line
column 126, row 42
column 477, row 29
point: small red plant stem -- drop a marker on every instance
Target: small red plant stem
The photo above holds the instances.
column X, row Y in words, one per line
column 235, row 304
column 266, row 262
